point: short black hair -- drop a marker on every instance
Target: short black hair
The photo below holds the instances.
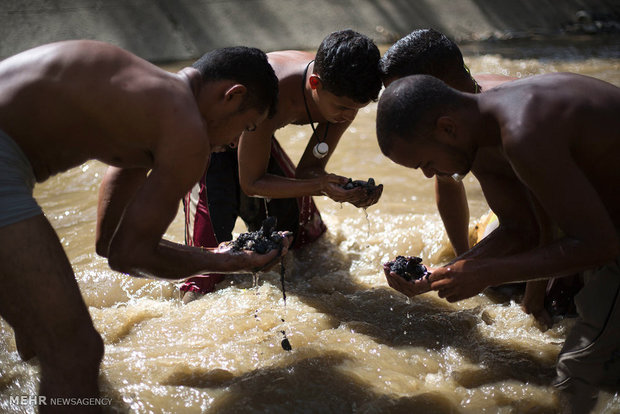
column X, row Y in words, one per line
column 423, row 52
column 409, row 108
column 348, row 64
column 249, row 67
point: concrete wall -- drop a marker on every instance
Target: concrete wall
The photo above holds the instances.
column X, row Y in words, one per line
column 167, row 30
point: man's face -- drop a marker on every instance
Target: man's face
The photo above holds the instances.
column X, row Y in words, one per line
column 337, row 109
column 226, row 131
column 431, row 156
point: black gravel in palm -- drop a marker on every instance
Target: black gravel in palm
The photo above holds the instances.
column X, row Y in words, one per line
column 410, row 267
column 261, row 241
column 369, row 185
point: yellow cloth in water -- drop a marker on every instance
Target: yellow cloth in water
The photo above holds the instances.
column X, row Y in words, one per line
column 486, row 225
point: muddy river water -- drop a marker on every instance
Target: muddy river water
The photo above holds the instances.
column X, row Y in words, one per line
column 357, row 345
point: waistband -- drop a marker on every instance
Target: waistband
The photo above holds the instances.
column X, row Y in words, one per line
column 9, row 146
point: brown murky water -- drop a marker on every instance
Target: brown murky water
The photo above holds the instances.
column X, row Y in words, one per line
column 358, row 346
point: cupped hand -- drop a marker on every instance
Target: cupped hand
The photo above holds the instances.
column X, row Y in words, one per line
column 332, row 187
column 409, row 288
column 367, row 199
column 457, row 281
column 256, row 262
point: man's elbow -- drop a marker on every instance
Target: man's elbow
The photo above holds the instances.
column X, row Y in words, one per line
column 124, row 258
column 249, row 189
column 119, row 261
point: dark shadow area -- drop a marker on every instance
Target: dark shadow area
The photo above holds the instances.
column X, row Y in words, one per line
column 306, row 386
column 317, row 385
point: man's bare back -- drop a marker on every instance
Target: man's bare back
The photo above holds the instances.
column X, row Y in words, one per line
column 68, row 102
column 580, row 123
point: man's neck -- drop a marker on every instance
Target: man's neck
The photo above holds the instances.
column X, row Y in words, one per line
column 193, row 79
column 485, row 125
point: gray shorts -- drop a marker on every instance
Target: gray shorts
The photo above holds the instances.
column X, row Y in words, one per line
column 590, row 358
column 16, row 184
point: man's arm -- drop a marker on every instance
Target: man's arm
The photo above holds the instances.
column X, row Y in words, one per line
column 518, row 228
column 507, row 198
column 451, row 202
column 254, row 151
column 137, row 211
column 116, row 189
column 561, row 187
column 450, row 195
column 309, row 166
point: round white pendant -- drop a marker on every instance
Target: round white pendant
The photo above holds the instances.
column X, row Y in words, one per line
column 320, row 150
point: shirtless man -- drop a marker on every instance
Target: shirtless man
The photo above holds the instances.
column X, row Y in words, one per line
column 328, row 89
column 559, row 136
column 65, row 103
column 429, row 52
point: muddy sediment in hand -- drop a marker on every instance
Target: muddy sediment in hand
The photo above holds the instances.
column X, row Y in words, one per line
column 410, row 267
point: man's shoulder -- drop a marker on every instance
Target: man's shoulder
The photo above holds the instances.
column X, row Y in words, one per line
column 289, row 56
column 490, row 80
column 85, row 51
column 288, row 64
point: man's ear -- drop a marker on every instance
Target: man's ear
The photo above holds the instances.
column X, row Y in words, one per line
column 236, row 91
column 447, row 126
column 315, row 81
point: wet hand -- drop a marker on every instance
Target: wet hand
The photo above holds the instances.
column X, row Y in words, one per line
column 368, row 200
column 332, row 188
column 255, row 262
column 458, row 281
column 409, row 288
column 270, row 258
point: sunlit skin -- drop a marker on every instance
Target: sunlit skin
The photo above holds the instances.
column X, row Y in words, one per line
column 558, row 134
column 325, row 107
